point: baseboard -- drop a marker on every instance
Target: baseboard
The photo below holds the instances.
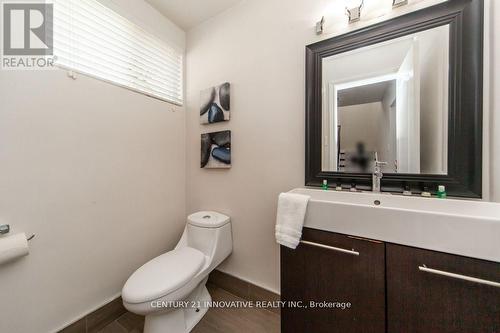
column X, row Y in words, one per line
column 106, row 314
column 272, row 290
column 97, row 319
column 241, row 288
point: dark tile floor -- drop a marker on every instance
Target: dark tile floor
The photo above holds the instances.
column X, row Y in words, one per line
column 231, row 320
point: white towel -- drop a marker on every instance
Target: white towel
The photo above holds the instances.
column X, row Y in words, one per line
column 290, row 218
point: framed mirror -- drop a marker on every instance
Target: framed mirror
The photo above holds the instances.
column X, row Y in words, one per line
column 406, row 93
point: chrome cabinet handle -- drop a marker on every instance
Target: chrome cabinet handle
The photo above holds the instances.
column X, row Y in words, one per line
column 424, row 268
column 337, row 249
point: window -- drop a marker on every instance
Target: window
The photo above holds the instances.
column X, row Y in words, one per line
column 92, row 39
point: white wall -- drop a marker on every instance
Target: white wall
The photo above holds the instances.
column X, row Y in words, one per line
column 434, row 70
column 388, row 136
column 494, row 143
column 362, row 123
column 258, row 46
column 98, row 174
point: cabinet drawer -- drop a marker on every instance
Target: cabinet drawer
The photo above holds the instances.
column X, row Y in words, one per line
column 328, row 267
column 435, row 292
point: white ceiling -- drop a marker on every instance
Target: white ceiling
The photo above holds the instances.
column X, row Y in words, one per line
column 189, row 13
column 369, row 93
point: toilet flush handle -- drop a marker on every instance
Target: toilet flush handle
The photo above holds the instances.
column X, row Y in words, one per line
column 4, row 229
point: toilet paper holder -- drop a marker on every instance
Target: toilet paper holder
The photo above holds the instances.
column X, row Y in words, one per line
column 5, row 229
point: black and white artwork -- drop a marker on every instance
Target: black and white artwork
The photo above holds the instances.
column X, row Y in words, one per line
column 215, row 104
column 216, row 150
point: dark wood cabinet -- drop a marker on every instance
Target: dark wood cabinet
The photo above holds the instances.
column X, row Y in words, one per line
column 333, row 270
column 391, row 288
column 423, row 297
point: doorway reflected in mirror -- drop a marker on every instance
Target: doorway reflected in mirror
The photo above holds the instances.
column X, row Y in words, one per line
column 388, row 102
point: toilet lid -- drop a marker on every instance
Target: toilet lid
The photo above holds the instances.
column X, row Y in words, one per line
column 163, row 275
column 208, row 219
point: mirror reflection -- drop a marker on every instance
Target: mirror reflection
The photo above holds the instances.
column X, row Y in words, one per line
column 388, row 102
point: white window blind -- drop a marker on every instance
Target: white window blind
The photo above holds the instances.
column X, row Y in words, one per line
column 92, row 39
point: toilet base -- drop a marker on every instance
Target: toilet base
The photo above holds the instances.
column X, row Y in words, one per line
column 181, row 320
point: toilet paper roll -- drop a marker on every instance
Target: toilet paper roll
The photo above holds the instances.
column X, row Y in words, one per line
column 13, row 247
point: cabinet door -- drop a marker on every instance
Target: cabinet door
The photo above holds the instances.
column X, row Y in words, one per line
column 423, row 297
column 325, row 274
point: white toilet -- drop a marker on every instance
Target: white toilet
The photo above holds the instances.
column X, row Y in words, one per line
column 170, row 289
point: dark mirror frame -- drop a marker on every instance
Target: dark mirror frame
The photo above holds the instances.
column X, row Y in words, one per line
column 464, row 178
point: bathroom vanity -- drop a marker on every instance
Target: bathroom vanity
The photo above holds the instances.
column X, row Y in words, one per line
column 396, row 107
column 404, row 265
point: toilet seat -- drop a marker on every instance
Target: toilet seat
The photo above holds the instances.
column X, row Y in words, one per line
column 163, row 275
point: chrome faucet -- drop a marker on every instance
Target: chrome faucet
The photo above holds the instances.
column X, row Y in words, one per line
column 377, row 174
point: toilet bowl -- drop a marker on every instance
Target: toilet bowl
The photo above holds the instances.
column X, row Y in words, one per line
column 170, row 290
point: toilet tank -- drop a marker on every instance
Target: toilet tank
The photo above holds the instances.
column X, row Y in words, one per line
column 210, row 233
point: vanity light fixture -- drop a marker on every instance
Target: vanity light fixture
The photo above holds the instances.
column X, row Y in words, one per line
column 353, row 9
column 319, row 26
column 399, row 3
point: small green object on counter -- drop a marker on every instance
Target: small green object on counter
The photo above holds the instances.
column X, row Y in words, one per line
column 441, row 193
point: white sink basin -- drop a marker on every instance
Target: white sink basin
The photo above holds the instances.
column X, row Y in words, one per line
column 463, row 227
